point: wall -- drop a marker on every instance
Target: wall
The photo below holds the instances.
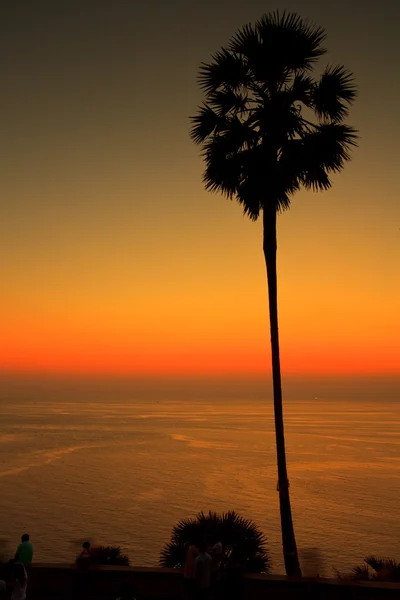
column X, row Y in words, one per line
column 63, row 581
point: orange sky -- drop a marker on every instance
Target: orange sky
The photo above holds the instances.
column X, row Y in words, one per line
column 113, row 257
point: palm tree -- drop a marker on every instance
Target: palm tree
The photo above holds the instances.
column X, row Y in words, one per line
column 266, row 129
column 243, row 542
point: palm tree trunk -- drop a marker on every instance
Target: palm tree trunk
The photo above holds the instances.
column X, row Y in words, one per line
column 291, row 559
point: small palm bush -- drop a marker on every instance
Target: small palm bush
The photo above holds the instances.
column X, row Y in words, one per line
column 243, row 542
column 375, row 568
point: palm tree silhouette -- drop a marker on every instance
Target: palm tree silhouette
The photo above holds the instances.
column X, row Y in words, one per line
column 266, row 129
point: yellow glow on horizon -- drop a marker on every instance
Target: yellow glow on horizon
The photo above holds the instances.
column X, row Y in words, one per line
column 115, row 260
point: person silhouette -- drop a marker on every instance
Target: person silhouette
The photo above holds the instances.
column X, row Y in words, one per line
column 24, row 553
column 20, row 582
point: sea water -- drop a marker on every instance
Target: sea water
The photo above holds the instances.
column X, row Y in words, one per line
column 122, row 463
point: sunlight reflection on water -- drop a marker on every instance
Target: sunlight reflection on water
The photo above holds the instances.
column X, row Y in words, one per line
column 125, row 472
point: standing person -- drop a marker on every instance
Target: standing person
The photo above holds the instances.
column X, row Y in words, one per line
column 188, row 572
column 24, row 553
column 83, row 578
column 202, row 572
column 86, row 554
column 20, row 582
column 217, row 554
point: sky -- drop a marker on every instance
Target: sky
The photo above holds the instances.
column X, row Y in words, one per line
column 114, row 260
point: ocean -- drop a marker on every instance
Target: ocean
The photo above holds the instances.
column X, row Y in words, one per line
column 122, row 462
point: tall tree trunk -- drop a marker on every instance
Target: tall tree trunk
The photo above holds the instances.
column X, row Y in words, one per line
column 292, row 565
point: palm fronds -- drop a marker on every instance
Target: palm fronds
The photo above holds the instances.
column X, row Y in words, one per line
column 375, row 568
column 243, row 542
column 333, row 95
column 266, row 127
column 227, row 71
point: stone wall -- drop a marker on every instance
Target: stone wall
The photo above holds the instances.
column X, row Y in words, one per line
column 61, row 582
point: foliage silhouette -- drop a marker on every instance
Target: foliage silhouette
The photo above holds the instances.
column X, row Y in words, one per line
column 106, row 555
column 266, row 129
column 375, row 568
column 243, row 542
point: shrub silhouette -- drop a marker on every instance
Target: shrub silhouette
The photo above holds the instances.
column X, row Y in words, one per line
column 374, row 568
column 243, row 542
column 106, row 555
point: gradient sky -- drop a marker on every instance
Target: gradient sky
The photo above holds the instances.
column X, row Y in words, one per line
column 114, row 259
